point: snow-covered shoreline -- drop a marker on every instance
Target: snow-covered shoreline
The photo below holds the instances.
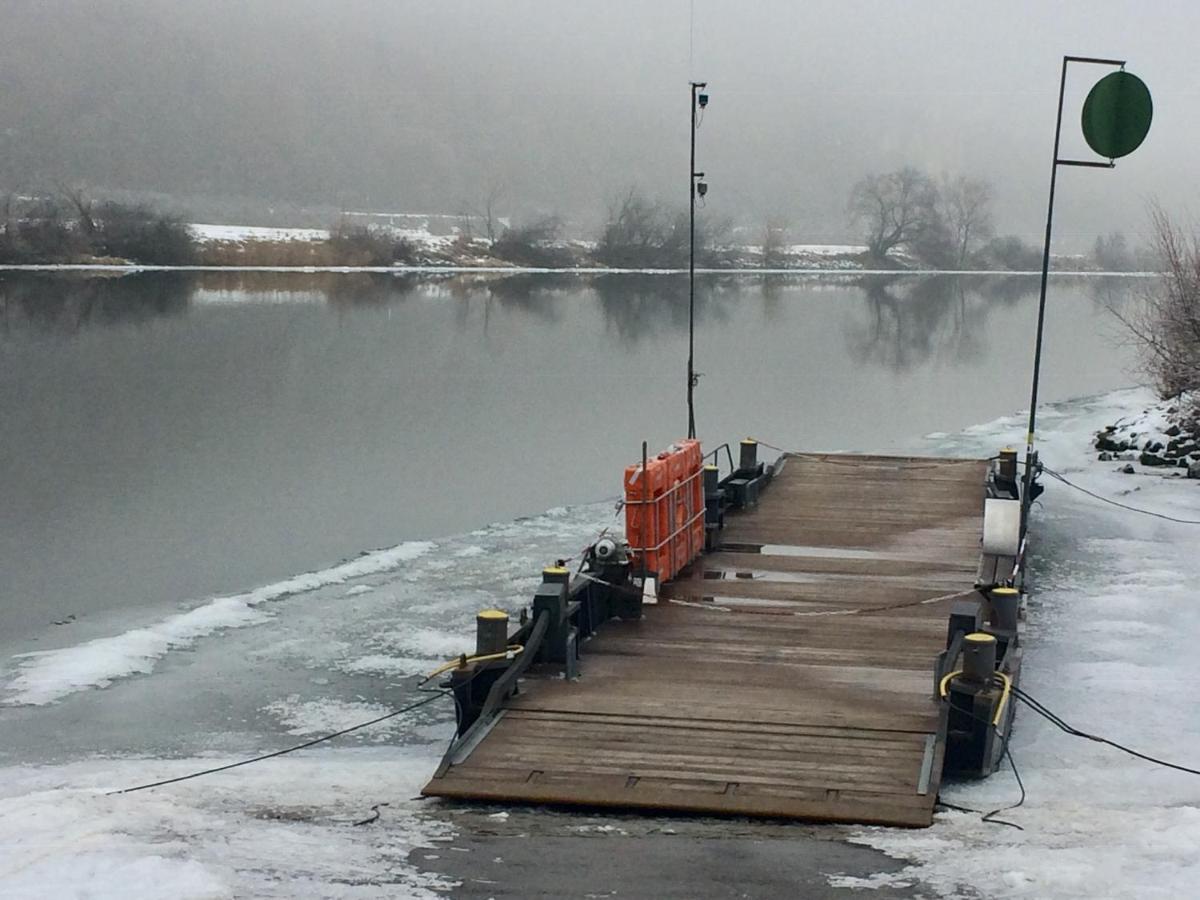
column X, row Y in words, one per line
column 1112, row 614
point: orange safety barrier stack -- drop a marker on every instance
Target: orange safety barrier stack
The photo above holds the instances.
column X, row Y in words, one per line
column 664, row 510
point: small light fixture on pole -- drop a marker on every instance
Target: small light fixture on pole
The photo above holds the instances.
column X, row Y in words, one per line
column 1116, row 118
column 696, row 186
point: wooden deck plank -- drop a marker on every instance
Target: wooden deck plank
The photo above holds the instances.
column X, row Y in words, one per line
column 789, row 674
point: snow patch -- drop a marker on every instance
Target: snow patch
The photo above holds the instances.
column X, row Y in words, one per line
column 207, row 233
column 280, row 829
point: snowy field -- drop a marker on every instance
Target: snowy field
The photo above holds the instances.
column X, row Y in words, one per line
column 1111, row 616
column 206, row 233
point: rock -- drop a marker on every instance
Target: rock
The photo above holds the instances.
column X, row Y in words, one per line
column 1173, row 431
column 1194, row 470
column 1123, row 456
column 1128, row 469
column 1150, row 459
column 1105, row 457
column 1104, row 442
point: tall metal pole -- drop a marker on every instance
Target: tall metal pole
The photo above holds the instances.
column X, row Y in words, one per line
column 691, row 374
column 1041, row 320
column 1027, row 492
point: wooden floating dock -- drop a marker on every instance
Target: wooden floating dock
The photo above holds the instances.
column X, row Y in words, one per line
column 789, row 674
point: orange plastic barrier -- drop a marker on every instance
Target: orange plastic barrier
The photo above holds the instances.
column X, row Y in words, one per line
column 664, row 510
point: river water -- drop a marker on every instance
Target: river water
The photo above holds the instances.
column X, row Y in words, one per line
column 172, row 437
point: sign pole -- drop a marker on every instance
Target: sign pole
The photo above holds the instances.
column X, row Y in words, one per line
column 1116, row 118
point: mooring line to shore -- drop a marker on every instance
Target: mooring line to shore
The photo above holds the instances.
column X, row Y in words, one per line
column 245, row 762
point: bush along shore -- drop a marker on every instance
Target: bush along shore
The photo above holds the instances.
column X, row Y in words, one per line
column 73, row 229
column 1165, row 436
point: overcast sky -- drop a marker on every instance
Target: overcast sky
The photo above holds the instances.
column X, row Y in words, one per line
column 423, row 106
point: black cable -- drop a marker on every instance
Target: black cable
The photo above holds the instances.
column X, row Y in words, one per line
column 940, row 802
column 1059, row 723
column 246, row 762
column 988, row 817
column 1005, row 751
column 1058, row 476
column 1117, row 503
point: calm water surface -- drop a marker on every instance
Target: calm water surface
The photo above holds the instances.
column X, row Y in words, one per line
column 170, row 437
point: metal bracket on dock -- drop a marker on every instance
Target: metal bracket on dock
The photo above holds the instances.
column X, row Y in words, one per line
column 738, row 490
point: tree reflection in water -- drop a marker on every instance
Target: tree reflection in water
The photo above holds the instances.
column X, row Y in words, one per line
column 66, row 304
column 912, row 320
column 640, row 307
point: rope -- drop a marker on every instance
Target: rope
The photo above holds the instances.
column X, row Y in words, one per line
column 850, row 462
column 306, row 744
column 862, row 610
column 1058, row 476
column 460, row 662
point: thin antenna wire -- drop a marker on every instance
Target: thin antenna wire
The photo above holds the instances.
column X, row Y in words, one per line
column 691, row 38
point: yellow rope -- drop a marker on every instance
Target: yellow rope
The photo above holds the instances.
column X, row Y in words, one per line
column 461, row 661
column 945, row 683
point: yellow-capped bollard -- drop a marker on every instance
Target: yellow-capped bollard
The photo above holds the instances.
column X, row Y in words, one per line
column 1005, row 602
column 556, row 575
column 979, row 657
column 491, row 632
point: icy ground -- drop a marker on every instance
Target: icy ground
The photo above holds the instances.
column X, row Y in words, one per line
column 1112, row 625
column 1110, row 649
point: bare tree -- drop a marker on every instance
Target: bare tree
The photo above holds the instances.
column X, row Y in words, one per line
column 636, row 232
column 84, row 208
column 1166, row 326
column 466, row 224
column 774, row 240
column 534, row 243
column 488, row 211
column 965, row 208
column 894, row 208
column 1112, row 253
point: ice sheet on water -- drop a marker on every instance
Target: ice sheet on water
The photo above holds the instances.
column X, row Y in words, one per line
column 283, row 827
column 45, row 676
column 418, row 614
column 324, row 716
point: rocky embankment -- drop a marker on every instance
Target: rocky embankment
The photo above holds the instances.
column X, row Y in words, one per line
column 1166, row 435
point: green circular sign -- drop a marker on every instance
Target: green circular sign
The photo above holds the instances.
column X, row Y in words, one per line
column 1117, row 114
